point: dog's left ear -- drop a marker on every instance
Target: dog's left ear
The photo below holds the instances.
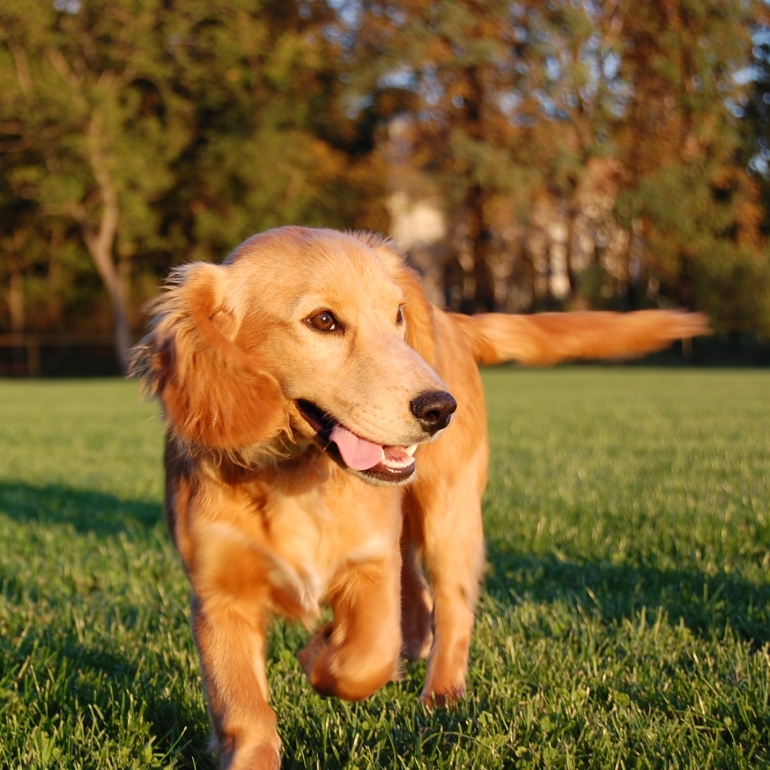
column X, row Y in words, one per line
column 213, row 393
column 418, row 311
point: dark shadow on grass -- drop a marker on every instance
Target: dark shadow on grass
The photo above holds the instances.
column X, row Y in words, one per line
column 706, row 604
column 99, row 676
column 85, row 510
column 96, row 682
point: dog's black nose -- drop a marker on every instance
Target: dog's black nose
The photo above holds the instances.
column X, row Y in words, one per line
column 433, row 409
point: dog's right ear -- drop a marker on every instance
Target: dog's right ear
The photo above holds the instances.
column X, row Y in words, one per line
column 211, row 391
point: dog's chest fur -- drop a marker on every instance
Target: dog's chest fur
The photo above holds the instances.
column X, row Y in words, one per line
column 297, row 535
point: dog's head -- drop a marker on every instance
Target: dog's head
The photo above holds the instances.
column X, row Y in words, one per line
column 312, row 334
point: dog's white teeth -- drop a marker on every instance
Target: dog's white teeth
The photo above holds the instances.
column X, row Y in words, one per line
column 398, row 464
column 410, row 450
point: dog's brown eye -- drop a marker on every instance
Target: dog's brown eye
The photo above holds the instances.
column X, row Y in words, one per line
column 324, row 321
column 400, row 316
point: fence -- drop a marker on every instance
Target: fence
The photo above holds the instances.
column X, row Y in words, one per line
column 57, row 355
column 93, row 355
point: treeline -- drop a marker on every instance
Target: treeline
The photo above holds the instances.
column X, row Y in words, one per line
column 529, row 155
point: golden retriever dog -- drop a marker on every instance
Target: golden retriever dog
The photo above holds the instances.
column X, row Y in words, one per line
column 326, row 443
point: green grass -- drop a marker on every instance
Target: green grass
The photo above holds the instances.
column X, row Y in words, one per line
column 625, row 620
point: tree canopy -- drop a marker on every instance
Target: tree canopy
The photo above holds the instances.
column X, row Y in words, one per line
column 576, row 154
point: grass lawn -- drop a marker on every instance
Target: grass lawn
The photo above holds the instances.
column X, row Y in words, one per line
column 625, row 620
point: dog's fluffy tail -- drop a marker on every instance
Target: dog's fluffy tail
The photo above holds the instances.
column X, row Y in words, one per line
column 548, row 338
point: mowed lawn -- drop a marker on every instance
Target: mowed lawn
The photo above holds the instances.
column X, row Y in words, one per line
column 625, row 620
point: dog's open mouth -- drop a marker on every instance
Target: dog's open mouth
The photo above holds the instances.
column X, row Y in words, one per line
column 377, row 461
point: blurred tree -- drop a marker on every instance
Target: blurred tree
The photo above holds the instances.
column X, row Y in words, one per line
column 85, row 92
column 510, row 103
column 16, row 264
column 754, row 108
column 272, row 144
column 696, row 206
column 169, row 130
column 751, row 285
column 460, row 66
column 513, row 104
column 135, row 134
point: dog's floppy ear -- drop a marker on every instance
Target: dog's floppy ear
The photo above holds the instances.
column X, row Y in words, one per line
column 212, row 392
column 418, row 311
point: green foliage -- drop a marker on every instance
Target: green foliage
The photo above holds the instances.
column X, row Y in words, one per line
column 698, row 208
column 511, row 122
column 153, row 132
column 187, row 126
column 735, row 290
column 755, row 111
column 263, row 87
column 90, row 83
column 624, row 620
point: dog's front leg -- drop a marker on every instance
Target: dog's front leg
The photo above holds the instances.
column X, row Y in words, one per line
column 444, row 522
column 231, row 645
column 359, row 650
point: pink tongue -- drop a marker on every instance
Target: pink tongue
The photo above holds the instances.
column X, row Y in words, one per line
column 358, row 454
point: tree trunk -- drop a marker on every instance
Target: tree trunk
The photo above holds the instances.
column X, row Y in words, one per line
column 480, row 237
column 478, row 227
column 16, row 299
column 101, row 242
column 100, row 248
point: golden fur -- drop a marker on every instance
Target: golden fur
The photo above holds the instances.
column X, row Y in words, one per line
column 256, row 363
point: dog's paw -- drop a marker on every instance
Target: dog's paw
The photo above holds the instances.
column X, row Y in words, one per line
column 257, row 755
column 318, row 642
column 441, row 697
column 258, row 758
